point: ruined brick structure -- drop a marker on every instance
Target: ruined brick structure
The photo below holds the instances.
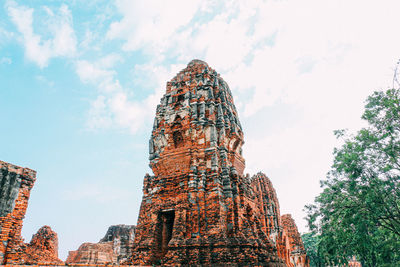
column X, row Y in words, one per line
column 43, row 248
column 15, row 186
column 92, row 254
column 198, row 208
column 293, row 248
column 114, row 248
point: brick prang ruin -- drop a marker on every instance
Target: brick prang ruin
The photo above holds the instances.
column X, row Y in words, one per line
column 199, row 208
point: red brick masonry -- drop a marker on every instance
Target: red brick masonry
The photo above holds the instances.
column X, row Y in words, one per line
column 199, row 208
column 15, row 186
column 291, row 244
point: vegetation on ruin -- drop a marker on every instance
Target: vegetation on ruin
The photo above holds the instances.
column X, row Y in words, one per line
column 358, row 212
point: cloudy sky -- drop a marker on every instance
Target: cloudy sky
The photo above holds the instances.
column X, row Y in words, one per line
column 80, row 81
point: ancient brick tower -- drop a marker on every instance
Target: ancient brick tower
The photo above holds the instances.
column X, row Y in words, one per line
column 198, row 208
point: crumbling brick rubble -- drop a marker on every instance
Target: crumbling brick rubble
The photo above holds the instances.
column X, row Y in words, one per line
column 114, row 248
column 43, row 248
column 15, row 186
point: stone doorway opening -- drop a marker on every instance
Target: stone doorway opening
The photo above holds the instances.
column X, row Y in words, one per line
column 164, row 229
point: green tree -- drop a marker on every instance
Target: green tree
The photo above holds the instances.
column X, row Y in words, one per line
column 311, row 245
column 358, row 212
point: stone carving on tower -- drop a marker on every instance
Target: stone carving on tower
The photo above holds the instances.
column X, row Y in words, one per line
column 198, row 207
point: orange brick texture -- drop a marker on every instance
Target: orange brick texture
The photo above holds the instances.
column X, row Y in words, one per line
column 291, row 245
column 113, row 249
column 43, row 248
column 15, row 186
column 199, row 208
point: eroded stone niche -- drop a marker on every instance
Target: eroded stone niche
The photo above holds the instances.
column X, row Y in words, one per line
column 163, row 233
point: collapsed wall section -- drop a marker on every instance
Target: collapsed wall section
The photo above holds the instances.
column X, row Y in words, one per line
column 15, row 186
column 43, row 248
column 114, row 248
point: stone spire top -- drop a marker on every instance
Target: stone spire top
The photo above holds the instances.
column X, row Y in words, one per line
column 197, row 62
column 197, row 112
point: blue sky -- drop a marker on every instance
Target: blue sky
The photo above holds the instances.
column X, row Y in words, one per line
column 80, row 81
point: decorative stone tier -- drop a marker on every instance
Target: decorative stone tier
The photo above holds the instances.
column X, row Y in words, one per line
column 214, row 231
column 198, row 208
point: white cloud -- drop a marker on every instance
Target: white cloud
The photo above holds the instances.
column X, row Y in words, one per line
column 317, row 58
column 88, row 40
column 127, row 114
column 38, row 49
column 116, row 106
column 151, row 23
column 94, row 73
column 99, row 116
column 5, row 36
column 5, row 60
column 107, row 105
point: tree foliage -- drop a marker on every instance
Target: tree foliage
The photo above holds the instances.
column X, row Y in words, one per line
column 311, row 245
column 358, row 212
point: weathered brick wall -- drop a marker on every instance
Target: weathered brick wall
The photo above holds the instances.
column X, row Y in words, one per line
column 15, row 186
column 293, row 245
column 122, row 237
column 43, row 248
column 198, row 208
